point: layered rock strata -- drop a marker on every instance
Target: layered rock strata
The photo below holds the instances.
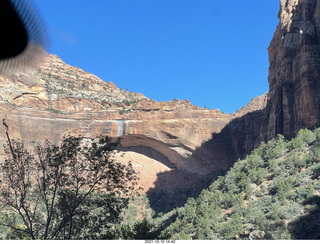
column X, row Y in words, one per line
column 160, row 138
column 174, row 144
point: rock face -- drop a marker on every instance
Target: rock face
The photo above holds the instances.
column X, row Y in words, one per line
column 294, row 72
column 293, row 100
column 161, row 139
column 59, row 100
column 177, row 147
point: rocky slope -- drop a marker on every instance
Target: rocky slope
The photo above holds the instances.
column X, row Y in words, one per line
column 159, row 138
column 60, row 87
column 273, row 194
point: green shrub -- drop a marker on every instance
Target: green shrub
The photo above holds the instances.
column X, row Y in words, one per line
column 290, row 211
column 317, row 134
column 316, row 152
column 258, row 175
column 232, row 200
column 265, row 193
column 261, row 221
column 230, row 229
column 316, row 172
column 273, row 149
column 296, row 143
column 306, row 136
column 258, row 192
column 274, row 168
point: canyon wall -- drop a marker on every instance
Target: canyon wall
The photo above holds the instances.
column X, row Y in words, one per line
column 177, row 147
column 161, row 139
column 294, row 71
column 293, row 100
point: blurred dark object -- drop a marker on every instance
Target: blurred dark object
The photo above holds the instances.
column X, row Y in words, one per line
column 24, row 40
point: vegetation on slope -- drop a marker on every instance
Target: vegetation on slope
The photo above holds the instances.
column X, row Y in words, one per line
column 63, row 80
column 274, row 193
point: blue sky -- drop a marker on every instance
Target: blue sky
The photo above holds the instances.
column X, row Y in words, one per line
column 212, row 52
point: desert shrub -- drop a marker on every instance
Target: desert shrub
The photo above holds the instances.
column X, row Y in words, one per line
column 315, row 172
column 204, row 230
column 255, row 161
column 141, row 229
column 258, row 192
column 317, row 185
column 316, row 152
column 265, row 204
column 282, row 233
column 230, row 182
column 317, row 134
column 260, row 220
column 273, row 149
column 281, row 186
column 230, row 229
column 274, row 212
column 305, row 191
column 182, row 236
column 274, row 168
column 258, row 175
column 296, row 143
column 232, row 200
column 307, row 136
column 290, row 211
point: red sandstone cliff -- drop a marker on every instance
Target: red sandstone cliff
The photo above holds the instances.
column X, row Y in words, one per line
column 293, row 100
column 294, row 72
column 175, row 145
column 159, row 138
